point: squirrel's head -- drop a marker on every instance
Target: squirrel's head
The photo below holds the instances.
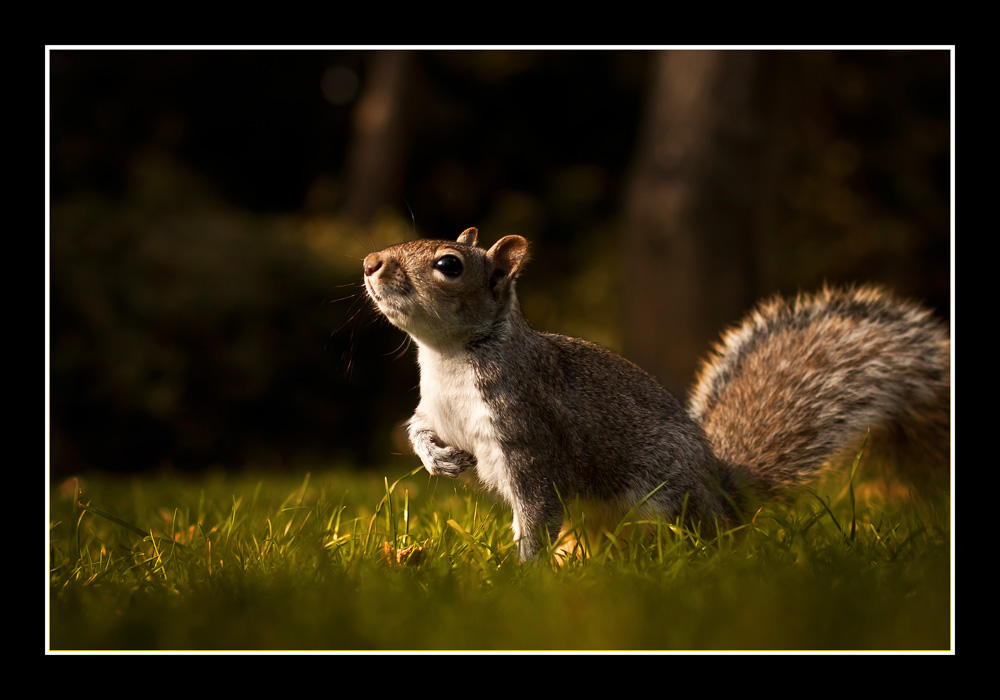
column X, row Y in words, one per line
column 446, row 293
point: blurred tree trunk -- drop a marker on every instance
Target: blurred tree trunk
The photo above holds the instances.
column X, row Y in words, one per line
column 380, row 137
column 702, row 185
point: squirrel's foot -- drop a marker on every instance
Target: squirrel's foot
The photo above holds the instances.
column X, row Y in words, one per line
column 450, row 462
column 440, row 459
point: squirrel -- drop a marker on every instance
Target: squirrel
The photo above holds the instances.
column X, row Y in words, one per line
column 546, row 419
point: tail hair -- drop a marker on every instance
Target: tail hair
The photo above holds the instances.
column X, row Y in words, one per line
column 799, row 384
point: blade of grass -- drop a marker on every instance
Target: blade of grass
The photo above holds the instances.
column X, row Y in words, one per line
column 473, row 545
column 850, row 485
column 613, row 537
column 118, row 521
column 389, row 514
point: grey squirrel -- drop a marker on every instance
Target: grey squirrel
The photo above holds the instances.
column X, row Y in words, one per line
column 547, row 420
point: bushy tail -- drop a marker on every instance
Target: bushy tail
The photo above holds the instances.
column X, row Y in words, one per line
column 799, row 384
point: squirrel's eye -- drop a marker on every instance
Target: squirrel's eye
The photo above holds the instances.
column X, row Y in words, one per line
column 449, row 265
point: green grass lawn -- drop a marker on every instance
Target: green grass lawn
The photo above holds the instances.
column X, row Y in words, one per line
column 332, row 561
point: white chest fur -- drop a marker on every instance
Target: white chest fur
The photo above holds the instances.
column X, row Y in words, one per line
column 453, row 407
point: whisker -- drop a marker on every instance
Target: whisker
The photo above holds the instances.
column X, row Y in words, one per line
column 400, row 349
column 413, row 218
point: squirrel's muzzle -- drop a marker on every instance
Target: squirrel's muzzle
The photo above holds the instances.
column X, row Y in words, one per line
column 372, row 264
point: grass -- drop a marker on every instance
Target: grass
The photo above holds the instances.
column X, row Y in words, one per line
column 340, row 561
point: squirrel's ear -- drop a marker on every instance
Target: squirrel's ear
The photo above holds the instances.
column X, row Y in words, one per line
column 507, row 254
column 468, row 236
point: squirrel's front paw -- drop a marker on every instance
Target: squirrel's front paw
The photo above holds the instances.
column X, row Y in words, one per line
column 440, row 459
column 449, row 461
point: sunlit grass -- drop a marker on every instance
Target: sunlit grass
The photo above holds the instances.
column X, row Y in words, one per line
column 332, row 561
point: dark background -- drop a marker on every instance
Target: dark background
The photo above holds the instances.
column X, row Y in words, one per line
column 209, row 212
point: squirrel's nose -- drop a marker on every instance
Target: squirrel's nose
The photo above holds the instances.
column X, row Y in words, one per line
column 372, row 263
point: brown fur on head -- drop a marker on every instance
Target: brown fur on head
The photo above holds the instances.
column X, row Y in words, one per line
column 446, row 293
